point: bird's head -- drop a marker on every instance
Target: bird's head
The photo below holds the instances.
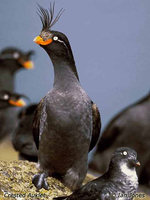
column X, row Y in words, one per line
column 55, row 43
column 8, row 99
column 16, row 59
column 125, row 156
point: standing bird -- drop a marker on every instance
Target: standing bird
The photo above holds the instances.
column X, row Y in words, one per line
column 22, row 137
column 129, row 127
column 12, row 60
column 66, row 123
column 119, row 182
column 8, row 100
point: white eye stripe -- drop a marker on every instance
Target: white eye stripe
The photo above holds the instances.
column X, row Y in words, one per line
column 55, row 38
column 63, row 43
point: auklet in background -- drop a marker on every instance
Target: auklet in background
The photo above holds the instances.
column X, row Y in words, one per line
column 130, row 127
column 12, row 60
column 62, row 126
column 8, row 100
column 22, row 137
column 120, row 182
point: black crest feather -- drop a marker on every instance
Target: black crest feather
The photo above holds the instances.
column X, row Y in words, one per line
column 47, row 16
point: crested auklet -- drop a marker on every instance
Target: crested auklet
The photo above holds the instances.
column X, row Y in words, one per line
column 63, row 128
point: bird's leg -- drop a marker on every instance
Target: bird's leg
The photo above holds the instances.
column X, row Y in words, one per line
column 72, row 179
column 39, row 180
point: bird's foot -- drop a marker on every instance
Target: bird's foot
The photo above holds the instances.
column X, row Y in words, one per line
column 39, row 180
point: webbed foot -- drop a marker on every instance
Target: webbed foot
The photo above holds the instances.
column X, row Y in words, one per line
column 39, row 180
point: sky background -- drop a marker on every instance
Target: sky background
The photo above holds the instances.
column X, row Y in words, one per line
column 110, row 42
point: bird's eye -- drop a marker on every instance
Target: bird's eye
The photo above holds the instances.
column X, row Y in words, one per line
column 124, row 153
column 16, row 55
column 55, row 38
column 6, row 96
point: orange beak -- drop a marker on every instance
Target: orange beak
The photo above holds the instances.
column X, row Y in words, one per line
column 28, row 64
column 18, row 103
column 39, row 40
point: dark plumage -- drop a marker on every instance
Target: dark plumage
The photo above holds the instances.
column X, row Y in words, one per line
column 12, row 60
column 8, row 100
column 47, row 16
column 62, row 125
column 22, row 138
column 120, row 180
column 96, row 126
column 130, row 127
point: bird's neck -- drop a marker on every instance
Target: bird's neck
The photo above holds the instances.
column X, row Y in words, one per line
column 65, row 75
column 3, row 106
column 6, row 79
column 125, row 170
column 122, row 171
column 8, row 67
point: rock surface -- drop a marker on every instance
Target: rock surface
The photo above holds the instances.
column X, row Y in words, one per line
column 16, row 184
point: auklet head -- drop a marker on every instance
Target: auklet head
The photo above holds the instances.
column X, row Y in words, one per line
column 8, row 99
column 125, row 155
column 15, row 59
column 55, row 43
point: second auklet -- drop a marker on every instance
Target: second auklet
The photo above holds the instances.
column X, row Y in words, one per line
column 66, row 123
column 120, row 182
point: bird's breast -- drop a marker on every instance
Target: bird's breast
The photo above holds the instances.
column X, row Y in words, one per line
column 69, row 112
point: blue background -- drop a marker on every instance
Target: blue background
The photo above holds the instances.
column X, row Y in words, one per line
column 110, row 41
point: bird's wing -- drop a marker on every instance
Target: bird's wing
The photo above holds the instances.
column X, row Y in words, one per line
column 115, row 126
column 106, row 196
column 88, row 191
column 36, row 123
column 109, row 135
column 96, row 126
